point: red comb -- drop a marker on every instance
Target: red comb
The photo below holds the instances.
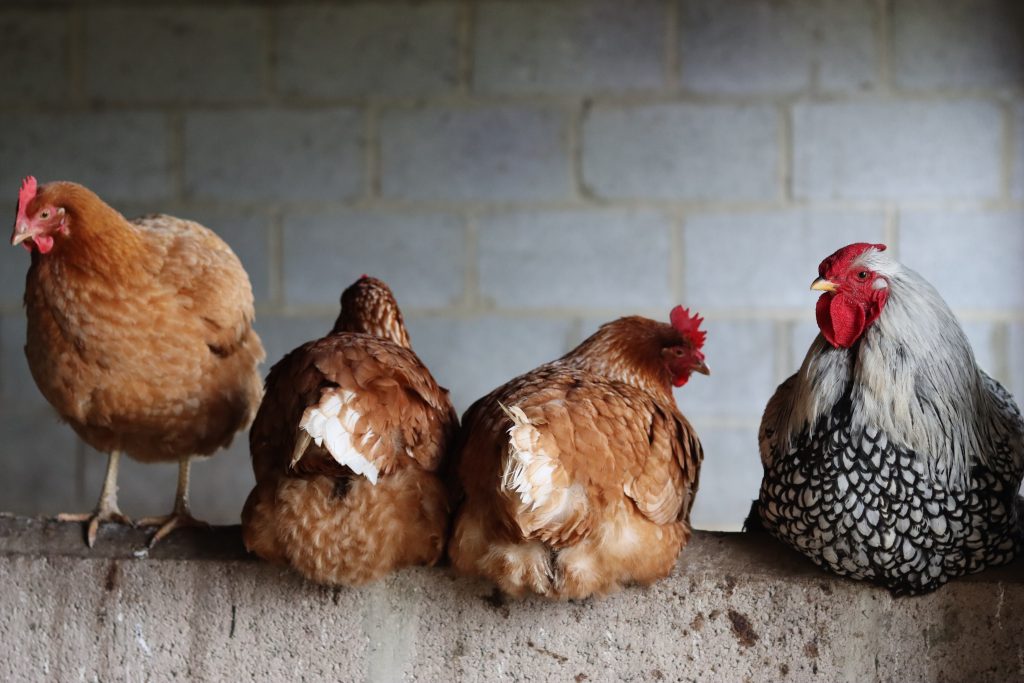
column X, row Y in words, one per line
column 842, row 258
column 25, row 195
column 688, row 326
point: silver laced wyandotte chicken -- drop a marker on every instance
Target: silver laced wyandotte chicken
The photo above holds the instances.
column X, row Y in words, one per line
column 578, row 477
column 890, row 456
column 346, row 448
column 139, row 334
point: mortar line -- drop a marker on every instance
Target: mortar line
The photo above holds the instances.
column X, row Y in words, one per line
column 882, row 33
column 891, row 230
column 471, row 296
column 608, row 98
column 677, row 258
column 275, row 246
column 783, row 357
column 574, row 148
column 77, row 55
column 1000, row 348
column 371, row 152
column 785, row 112
column 1009, row 143
column 673, row 67
column 465, row 23
column 270, row 17
column 175, row 124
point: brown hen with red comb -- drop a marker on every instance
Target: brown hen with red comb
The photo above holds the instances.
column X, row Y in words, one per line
column 579, row 476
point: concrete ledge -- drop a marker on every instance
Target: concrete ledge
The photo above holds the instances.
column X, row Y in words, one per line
column 738, row 608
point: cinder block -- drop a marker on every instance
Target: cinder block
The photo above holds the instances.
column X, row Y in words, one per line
column 214, row 53
column 730, row 477
column 972, row 258
column 1017, row 170
column 282, row 333
column 34, row 71
column 420, row 256
column 278, row 154
column 984, row 342
column 118, row 155
column 483, row 153
column 1016, row 361
column 741, row 355
column 247, row 233
column 39, row 461
column 752, row 46
column 221, row 484
column 14, row 265
column 472, row 356
column 801, row 335
column 897, row 150
column 18, row 390
column 956, row 44
column 765, row 259
column 366, row 49
column 682, row 151
column 575, row 259
column 569, row 46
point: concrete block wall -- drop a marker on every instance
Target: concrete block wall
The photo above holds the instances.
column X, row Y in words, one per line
column 523, row 171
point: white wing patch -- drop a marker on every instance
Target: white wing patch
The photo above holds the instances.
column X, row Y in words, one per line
column 537, row 478
column 333, row 422
column 529, row 471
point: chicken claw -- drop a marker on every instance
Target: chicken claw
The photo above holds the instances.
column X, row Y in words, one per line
column 181, row 516
column 106, row 509
column 94, row 519
column 168, row 523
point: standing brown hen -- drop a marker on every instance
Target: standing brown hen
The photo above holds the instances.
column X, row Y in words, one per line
column 345, row 448
column 139, row 334
column 579, row 476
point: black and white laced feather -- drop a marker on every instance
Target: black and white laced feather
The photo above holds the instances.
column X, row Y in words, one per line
column 897, row 460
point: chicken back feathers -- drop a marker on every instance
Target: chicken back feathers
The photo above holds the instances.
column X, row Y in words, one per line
column 140, row 332
column 579, row 476
column 890, row 456
column 346, row 447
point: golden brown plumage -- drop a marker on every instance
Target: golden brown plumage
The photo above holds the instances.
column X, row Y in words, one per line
column 386, row 508
column 139, row 333
column 578, row 477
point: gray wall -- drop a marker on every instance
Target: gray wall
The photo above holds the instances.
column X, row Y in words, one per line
column 521, row 172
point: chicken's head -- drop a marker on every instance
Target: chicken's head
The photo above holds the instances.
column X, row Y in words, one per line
column 854, row 293
column 38, row 219
column 685, row 358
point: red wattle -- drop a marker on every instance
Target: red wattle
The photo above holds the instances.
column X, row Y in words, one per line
column 840, row 319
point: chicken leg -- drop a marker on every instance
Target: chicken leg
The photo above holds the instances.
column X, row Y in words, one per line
column 106, row 509
column 181, row 516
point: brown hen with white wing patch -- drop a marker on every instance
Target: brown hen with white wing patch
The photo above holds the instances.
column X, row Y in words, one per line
column 579, row 476
column 346, row 448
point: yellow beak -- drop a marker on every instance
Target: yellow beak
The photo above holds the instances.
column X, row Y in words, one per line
column 823, row 285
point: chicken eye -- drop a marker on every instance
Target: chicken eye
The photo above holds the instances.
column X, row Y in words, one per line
column 45, row 214
column 862, row 275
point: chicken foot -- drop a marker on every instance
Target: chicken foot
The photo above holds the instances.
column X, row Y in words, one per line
column 181, row 516
column 106, row 509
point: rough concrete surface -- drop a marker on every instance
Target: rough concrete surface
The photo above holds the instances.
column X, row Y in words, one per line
column 737, row 608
